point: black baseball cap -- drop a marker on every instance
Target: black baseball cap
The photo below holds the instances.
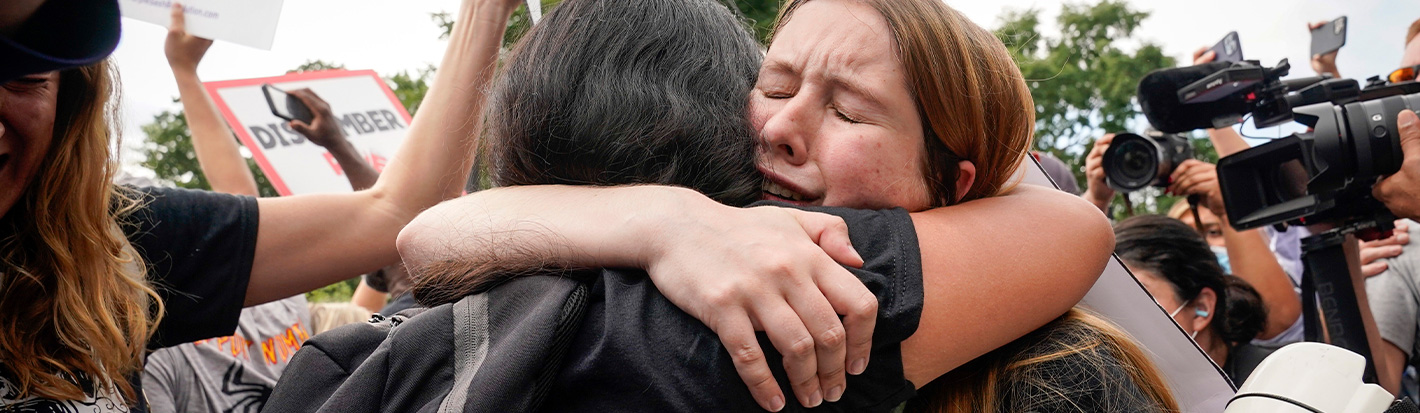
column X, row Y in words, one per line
column 61, row 34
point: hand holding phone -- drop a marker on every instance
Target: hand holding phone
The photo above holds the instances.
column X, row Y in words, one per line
column 1229, row 49
column 1329, row 37
column 285, row 106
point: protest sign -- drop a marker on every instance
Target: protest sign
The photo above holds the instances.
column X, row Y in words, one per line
column 371, row 116
column 246, row 22
column 1197, row 383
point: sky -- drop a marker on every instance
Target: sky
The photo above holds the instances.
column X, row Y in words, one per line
column 391, row 36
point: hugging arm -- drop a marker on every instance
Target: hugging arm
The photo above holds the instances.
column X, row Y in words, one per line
column 977, row 299
column 756, row 273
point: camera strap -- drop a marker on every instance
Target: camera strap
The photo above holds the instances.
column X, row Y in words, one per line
column 1329, row 298
column 1197, row 222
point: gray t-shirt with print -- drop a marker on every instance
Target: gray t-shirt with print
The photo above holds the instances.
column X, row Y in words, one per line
column 233, row 373
column 1395, row 297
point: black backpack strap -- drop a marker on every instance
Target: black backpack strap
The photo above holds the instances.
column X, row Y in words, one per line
column 471, row 332
column 567, row 325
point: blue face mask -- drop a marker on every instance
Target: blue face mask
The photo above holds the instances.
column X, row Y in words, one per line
column 1222, row 254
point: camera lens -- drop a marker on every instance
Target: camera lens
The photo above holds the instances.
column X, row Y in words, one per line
column 1131, row 163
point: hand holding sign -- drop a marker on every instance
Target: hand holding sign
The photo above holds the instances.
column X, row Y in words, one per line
column 248, row 22
column 184, row 51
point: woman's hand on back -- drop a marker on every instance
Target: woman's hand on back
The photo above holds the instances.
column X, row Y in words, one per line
column 736, row 270
column 777, row 270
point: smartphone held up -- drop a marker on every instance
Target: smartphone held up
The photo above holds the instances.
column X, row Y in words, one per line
column 286, row 106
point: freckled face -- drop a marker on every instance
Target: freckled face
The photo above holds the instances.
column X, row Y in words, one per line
column 832, row 102
column 27, row 107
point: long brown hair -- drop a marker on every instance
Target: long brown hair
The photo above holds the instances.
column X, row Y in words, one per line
column 1040, row 370
column 973, row 100
column 72, row 290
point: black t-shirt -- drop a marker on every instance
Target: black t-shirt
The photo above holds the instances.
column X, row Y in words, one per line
column 199, row 248
column 636, row 351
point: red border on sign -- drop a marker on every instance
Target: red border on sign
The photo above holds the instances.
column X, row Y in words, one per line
column 245, row 136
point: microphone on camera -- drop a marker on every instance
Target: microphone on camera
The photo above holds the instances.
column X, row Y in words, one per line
column 1159, row 99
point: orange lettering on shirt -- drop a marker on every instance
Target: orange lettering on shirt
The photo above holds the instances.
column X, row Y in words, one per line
column 269, row 351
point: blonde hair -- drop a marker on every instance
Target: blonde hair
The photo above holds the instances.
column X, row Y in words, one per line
column 328, row 316
column 1026, row 374
column 72, row 289
column 974, row 103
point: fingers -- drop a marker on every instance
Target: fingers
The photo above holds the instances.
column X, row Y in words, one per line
column 1371, row 254
column 787, row 332
column 1203, row 55
column 1374, row 269
column 302, row 128
column 1409, row 126
column 739, row 339
column 318, row 106
column 1393, row 189
column 831, row 234
column 848, row 296
column 179, row 21
column 1313, row 26
column 828, row 333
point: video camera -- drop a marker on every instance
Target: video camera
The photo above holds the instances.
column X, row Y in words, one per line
column 1133, row 162
column 1324, row 175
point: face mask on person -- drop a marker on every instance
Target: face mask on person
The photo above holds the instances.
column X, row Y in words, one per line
column 1222, row 253
column 1199, row 313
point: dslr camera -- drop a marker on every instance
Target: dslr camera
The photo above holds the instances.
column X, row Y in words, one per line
column 1133, row 162
column 1324, row 175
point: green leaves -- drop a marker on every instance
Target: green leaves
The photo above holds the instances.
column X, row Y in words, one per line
column 1083, row 77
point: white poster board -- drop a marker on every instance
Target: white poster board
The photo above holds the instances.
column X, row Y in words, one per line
column 371, row 116
column 1197, row 383
column 245, row 22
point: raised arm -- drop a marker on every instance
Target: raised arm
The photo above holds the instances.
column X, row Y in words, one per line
column 306, row 241
column 213, row 142
column 324, row 130
column 1248, row 254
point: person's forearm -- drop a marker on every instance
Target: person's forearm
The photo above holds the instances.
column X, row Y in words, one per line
column 1251, row 260
column 1227, row 141
column 308, row 241
column 978, row 297
column 1101, row 204
column 433, row 163
column 525, row 227
column 216, row 148
column 368, row 298
column 360, row 174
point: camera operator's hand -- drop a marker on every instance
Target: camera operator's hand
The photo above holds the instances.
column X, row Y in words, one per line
column 1097, row 191
column 324, row 129
column 1203, row 55
column 1195, row 177
column 1390, row 247
column 1401, row 192
column 1324, row 63
column 184, row 51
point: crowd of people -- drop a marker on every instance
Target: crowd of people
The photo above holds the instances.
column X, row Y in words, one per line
column 683, row 219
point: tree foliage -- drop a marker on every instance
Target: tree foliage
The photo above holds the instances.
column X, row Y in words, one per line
column 1083, row 77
